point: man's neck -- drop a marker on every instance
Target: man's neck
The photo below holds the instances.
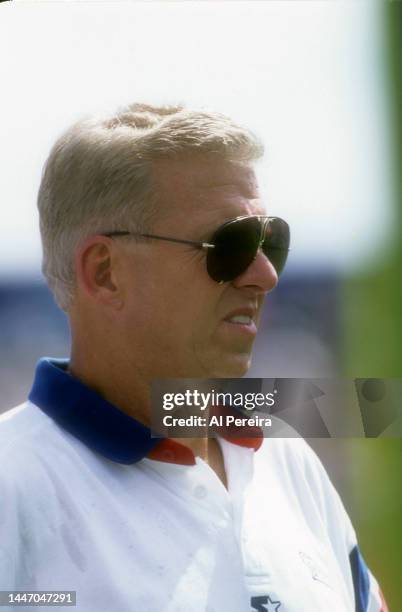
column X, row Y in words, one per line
column 135, row 400
column 128, row 393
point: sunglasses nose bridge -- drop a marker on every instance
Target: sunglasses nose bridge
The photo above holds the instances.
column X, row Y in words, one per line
column 261, row 239
column 261, row 236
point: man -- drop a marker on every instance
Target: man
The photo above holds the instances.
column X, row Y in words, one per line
column 157, row 245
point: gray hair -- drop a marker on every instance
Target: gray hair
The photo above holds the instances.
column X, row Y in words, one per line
column 98, row 176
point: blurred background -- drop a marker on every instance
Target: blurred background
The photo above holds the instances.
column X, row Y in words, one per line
column 320, row 83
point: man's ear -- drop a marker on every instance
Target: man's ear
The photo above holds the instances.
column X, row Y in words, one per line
column 96, row 273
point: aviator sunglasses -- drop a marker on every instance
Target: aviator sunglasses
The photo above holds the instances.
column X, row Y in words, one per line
column 235, row 244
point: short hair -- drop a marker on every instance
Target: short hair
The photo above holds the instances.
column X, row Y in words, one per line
column 98, row 176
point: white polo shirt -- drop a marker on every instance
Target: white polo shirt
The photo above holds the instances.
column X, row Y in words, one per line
column 89, row 502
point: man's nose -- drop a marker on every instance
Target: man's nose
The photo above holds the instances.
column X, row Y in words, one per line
column 260, row 274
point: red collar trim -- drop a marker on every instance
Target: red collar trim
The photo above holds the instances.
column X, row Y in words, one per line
column 246, row 436
column 253, row 443
column 169, row 451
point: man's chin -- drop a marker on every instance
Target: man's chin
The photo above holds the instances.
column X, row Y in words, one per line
column 234, row 366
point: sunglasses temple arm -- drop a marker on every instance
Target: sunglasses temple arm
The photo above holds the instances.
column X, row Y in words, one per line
column 278, row 248
column 199, row 245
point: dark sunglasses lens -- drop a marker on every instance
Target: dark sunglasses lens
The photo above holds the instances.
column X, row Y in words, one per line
column 276, row 243
column 236, row 245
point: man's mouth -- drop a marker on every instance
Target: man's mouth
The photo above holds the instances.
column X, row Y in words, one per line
column 242, row 320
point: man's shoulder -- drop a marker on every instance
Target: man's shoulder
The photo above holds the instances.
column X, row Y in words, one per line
column 40, row 461
column 18, row 428
column 28, row 438
column 18, row 425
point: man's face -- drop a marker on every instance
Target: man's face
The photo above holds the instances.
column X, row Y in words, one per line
column 178, row 322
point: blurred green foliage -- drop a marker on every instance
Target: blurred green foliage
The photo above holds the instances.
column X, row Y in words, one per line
column 372, row 347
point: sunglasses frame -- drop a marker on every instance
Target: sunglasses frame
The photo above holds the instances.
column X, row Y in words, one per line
column 198, row 244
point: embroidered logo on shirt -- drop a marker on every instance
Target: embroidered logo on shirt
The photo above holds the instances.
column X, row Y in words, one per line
column 265, row 604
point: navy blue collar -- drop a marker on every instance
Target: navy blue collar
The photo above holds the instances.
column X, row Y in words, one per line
column 86, row 415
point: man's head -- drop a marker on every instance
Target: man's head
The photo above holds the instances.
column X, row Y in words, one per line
column 165, row 171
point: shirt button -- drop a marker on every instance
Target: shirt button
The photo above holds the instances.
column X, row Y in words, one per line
column 200, row 492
